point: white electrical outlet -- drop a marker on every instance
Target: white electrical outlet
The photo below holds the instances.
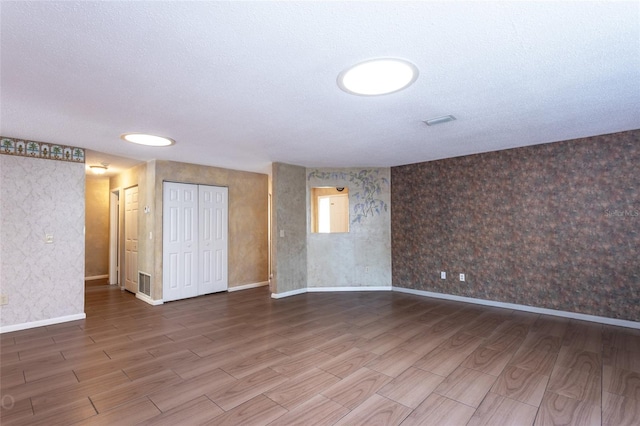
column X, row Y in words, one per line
column 48, row 238
column 462, row 277
column 443, row 275
column 4, row 299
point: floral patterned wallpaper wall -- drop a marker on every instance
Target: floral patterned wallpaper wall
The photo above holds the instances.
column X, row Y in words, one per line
column 554, row 226
column 362, row 256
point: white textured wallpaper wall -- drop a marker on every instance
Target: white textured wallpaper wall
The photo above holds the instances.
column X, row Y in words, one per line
column 42, row 281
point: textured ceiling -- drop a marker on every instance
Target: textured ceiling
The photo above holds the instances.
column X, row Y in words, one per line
column 244, row 84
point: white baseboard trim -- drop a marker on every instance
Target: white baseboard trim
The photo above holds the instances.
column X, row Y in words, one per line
column 42, row 323
column 288, row 293
column 247, row 286
column 364, row 288
column 149, row 300
column 96, row 277
column 525, row 308
column 328, row 289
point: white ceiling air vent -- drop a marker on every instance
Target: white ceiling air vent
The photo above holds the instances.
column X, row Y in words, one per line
column 439, row 120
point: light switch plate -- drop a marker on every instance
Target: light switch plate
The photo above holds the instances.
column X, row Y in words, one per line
column 443, row 275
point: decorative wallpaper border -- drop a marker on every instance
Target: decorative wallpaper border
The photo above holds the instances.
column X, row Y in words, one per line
column 49, row 151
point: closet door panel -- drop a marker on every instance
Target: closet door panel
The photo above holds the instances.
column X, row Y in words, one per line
column 180, row 241
column 221, row 240
column 213, row 238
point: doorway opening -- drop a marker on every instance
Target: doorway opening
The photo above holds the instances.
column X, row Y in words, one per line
column 114, row 239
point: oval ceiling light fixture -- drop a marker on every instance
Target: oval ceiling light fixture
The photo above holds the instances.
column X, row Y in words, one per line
column 378, row 77
column 99, row 170
column 146, row 139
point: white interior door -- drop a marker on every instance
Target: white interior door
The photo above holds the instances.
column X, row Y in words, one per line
column 180, row 241
column 213, row 221
column 339, row 213
column 333, row 213
column 131, row 239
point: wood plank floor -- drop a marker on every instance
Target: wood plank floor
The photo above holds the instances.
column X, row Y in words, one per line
column 321, row 358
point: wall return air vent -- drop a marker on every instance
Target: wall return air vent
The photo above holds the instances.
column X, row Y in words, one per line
column 144, row 283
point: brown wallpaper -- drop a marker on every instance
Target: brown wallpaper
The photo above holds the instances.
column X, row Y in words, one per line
column 554, row 226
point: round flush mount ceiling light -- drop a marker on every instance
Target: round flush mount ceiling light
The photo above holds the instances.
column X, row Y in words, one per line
column 378, row 77
column 145, row 139
column 99, row 170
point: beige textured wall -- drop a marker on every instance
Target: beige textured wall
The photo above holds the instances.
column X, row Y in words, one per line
column 248, row 218
column 96, row 237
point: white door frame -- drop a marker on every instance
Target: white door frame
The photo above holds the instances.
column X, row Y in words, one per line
column 269, row 241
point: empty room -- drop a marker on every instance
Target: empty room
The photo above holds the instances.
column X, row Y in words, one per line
column 320, row 212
